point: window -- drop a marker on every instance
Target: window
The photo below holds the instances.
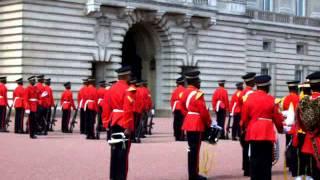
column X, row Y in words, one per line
column 267, row 45
column 301, row 7
column 301, row 48
column 298, row 75
column 264, row 69
column 267, row 5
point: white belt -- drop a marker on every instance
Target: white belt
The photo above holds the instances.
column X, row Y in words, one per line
column 174, row 105
column 1, row 96
column 265, row 119
column 64, row 102
column 193, row 113
column 33, row 99
column 118, row 110
column 86, row 104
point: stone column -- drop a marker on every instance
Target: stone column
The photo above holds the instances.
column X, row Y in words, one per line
column 314, row 6
column 286, row 6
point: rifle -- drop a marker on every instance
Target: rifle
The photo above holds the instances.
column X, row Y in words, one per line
column 53, row 118
column 229, row 126
column 74, row 120
column 150, row 125
column 7, row 121
column 98, row 127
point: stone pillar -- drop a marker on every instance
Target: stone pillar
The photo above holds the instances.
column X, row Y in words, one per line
column 286, row 6
column 314, row 8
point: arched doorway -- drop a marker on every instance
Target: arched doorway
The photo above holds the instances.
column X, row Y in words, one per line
column 140, row 50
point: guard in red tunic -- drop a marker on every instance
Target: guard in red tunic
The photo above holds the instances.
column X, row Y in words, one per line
column 177, row 109
column 196, row 121
column 291, row 99
column 101, row 91
column 3, row 103
column 147, row 108
column 31, row 100
column 220, row 105
column 118, row 116
column 81, row 106
column 41, row 113
column 311, row 144
column 18, row 104
column 250, row 83
column 48, row 102
column 236, row 111
column 90, row 99
column 66, row 103
column 259, row 115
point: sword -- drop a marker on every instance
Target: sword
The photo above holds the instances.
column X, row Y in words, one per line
column 7, row 121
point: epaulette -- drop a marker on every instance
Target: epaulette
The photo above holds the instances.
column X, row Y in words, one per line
column 130, row 89
column 180, row 95
column 199, row 94
column 130, row 99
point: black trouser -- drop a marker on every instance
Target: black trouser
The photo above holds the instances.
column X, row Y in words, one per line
column 177, row 124
column 145, row 123
column 18, row 121
column 3, row 111
column 261, row 160
column 99, row 125
column 245, row 159
column 41, row 119
column 221, row 116
column 315, row 173
column 32, row 123
column 136, row 118
column 48, row 117
column 82, row 121
column 65, row 120
column 90, row 121
column 236, row 126
column 119, row 157
column 194, row 143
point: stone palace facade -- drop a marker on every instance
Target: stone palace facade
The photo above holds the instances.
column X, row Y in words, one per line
column 68, row 40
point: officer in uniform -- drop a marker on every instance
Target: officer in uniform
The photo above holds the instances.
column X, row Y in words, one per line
column 236, row 111
column 292, row 99
column 41, row 127
column 250, row 83
column 31, row 100
column 220, row 104
column 132, row 84
column 100, row 91
column 311, row 144
column 90, row 99
column 196, row 121
column 18, row 104
column 118, row 116
column 259, row 115
column 48, row 102
column 66, row 103
column 3, row 103
column 81, row 106
column 177, row 109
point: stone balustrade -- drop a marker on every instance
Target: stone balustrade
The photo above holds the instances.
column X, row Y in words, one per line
column 282, row 18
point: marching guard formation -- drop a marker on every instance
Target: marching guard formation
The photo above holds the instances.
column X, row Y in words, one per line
column 124, row 109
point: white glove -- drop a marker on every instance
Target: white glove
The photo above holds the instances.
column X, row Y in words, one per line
column 28, row 111
column 286, row 129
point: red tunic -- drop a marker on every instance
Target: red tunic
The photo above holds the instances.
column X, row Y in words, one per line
column 48, row 100
column 235, row 103
column 119, row 109
column 260, row 114
column 3, row 95
column 80, row 96
column 90, row 98
column 175, row 98
column 198, row 116
column 291, row 98
column 41, row 93
column 101, row 91
column 147, row 100
column 18, row 97
column 220, row 95
column 31, row 98
column 139, row 103
column 66, row 100
column 307, row 147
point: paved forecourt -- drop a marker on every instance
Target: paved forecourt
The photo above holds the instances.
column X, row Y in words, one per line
column 71, row 156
